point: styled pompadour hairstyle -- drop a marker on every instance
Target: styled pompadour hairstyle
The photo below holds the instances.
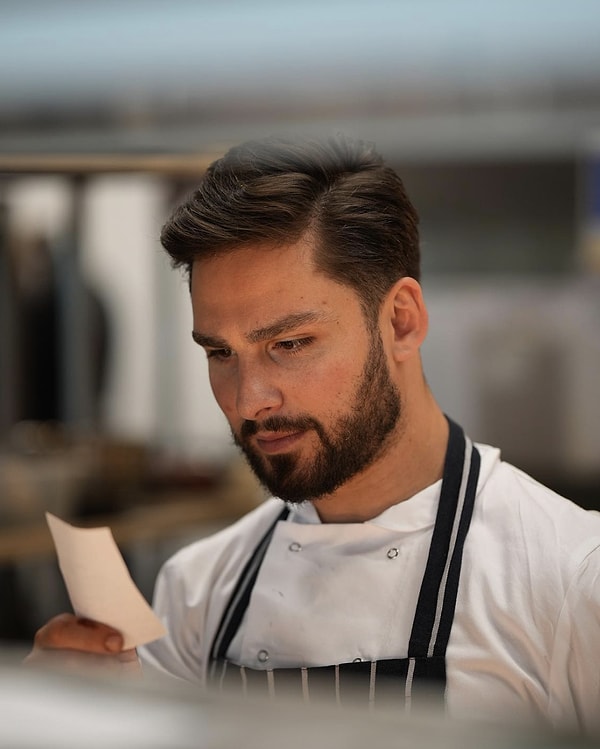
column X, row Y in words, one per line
column 336, row 191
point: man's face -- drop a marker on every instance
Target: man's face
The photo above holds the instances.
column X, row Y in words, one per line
column 302, row 380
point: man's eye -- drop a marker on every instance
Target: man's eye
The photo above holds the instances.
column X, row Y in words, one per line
column 219, row 353
column 294, row 345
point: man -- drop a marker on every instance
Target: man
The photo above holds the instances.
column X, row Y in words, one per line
column 402, row 555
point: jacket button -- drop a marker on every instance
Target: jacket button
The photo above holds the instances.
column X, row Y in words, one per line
column 295, row 546
column 392, row 553
column 263, row 656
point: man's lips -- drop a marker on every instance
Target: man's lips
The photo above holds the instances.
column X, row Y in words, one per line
column 277, row 442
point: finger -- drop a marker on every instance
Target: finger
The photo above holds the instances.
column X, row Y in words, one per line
column 127, row 656
column 89, row 664
column 130, row 663
column 70, row 632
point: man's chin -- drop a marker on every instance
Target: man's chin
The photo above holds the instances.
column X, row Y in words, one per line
column 280, row 481
column 296, row 491
column 282, row 476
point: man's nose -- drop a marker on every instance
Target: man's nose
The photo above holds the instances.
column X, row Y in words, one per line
column 258, row 395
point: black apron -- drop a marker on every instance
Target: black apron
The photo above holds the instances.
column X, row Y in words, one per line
column 423, row 672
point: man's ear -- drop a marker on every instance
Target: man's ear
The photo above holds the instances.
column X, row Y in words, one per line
column 407, row 318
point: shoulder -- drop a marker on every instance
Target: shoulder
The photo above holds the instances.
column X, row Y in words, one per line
column 208, row 557
column 526, row 523
column 509, row 492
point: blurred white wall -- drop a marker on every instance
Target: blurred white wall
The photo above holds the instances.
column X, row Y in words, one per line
column 120, row 226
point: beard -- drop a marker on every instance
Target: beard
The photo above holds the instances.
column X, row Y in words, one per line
column 353, row 442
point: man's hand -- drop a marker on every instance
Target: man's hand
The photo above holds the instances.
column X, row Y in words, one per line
column 71, row 642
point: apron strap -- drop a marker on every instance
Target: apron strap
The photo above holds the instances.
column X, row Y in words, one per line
column 238, row 603
column 437, row 598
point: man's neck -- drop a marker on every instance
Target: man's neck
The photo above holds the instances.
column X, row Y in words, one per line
column 412, row 462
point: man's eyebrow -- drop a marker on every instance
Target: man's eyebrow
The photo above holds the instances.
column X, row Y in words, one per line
column 266, row 332
column 208, row 341
column 286, row 324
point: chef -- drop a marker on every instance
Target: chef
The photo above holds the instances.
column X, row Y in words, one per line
column 395, row 558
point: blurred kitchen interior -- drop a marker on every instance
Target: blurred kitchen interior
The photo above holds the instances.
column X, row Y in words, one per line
column 110, row 111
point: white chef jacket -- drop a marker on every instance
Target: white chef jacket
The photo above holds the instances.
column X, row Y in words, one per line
column 525, row 640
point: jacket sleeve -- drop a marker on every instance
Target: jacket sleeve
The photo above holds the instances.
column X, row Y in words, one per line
column 574, row 694
column 179, row 652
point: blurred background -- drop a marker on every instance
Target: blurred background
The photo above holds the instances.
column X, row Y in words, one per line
column 109, row 112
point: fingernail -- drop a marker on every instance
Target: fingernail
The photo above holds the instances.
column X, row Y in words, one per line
column 113, row 643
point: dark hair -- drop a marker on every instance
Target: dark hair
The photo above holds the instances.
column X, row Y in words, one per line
column 338, row 190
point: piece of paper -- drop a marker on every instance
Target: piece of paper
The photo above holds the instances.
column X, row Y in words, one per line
column 99, row 584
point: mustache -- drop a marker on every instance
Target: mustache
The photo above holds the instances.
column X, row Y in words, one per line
column 278, row 424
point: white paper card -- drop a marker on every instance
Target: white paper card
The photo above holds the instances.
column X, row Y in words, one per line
column 99, row 584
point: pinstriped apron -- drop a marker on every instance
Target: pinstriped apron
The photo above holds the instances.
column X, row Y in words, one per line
column 399, row 680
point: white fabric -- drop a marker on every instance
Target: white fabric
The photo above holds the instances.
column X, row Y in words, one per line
column 526, row 635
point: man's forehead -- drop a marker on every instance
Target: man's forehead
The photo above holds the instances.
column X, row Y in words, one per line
column 255, row 288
